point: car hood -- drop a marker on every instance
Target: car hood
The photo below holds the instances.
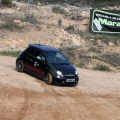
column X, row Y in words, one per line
column 65, row 68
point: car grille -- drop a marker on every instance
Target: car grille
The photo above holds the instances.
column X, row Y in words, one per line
column 70, row 76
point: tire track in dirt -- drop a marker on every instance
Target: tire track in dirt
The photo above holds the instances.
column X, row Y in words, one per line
column 24, row 97
column 29, row 96
column 24, row 108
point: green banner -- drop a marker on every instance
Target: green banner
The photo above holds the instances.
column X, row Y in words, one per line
column 104, row 21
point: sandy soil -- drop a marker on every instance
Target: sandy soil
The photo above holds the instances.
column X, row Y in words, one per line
column 24, row 97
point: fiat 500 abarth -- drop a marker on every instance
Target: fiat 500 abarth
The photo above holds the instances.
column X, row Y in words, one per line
column 48, row 63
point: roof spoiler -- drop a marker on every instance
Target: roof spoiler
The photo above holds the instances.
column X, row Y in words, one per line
column 34, row 44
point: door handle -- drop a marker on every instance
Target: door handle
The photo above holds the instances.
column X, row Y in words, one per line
column 29, row 59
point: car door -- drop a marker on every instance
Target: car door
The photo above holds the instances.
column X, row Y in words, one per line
column 40, row 64
column 29, row 59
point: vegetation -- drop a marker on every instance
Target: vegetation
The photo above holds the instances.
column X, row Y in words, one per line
column 105, row 38
column 10, row 25
column 79, row 58
column 70, row 29
column 58, row 10
column 17, row 23
column 6, row 2
column 10, row 53
column 102, row 68
column 73, row 2
column 112, row 58
column 75, row 55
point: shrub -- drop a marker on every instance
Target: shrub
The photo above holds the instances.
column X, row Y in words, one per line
column 112, row 58
column 59, row 22
column 10, row 53
column 70, row 29
column 102, row 68
column 30, row 18
column 58, row 10
column 6, row 2
column 10, row 25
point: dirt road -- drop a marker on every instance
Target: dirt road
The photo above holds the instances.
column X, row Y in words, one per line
column 24, row 97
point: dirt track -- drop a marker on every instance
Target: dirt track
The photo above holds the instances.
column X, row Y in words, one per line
column 24, row 97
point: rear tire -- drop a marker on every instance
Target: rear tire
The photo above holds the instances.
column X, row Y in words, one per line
column 48, row 79
column 19, row 66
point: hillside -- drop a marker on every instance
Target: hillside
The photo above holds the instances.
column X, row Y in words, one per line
column 54, row 25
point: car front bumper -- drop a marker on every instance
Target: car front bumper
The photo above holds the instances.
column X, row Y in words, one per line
column 66, row 81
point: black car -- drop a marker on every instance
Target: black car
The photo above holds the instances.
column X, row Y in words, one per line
column 47, row 63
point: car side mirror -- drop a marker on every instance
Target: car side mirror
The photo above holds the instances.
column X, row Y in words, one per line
column 43, row 58
column 68, row 59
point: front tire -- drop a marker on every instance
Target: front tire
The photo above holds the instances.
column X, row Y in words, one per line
column 48, row 79
column 19, row 66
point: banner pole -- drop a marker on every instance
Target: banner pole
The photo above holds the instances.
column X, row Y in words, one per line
column 29, row 10
column 75, row 17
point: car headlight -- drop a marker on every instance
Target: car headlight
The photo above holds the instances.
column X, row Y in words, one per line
column 59, row 73
column 76, row 72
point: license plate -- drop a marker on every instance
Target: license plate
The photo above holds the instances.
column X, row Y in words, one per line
column 70, row 80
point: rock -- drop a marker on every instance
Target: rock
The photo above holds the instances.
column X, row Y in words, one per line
column 111, row 44
column 17, row 22
column 117, row 43
column 74, row 41
column 99, row 42
column 85, row 14
column 39, row 4
column 85, row 22
column 1, row 23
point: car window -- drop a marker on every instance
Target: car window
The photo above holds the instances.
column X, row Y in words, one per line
column 30, row 51
column 56, row 57
column 60, row 57
column 39, row 55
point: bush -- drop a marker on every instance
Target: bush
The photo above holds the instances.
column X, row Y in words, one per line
column 30, row 18
column 112, row 58
column 102, row 68
column 10, row 53
column 70, row 29
column 10, row 25
column 6, row 2
column 58, row 10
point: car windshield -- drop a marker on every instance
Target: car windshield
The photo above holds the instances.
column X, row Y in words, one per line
column 57, row 58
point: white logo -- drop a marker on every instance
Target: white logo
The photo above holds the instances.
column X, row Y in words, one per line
column 97, row 24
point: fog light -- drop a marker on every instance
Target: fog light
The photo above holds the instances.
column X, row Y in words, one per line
column 58, row 76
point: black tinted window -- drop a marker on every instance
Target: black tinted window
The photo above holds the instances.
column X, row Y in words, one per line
column 56, row 57
column 39, row 55
column 30, row 51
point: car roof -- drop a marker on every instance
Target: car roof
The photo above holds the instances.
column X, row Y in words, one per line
column 43, row 47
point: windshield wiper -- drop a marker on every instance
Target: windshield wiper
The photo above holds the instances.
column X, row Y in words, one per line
column 60, row 63
column 64, row 63
column 55, row 63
